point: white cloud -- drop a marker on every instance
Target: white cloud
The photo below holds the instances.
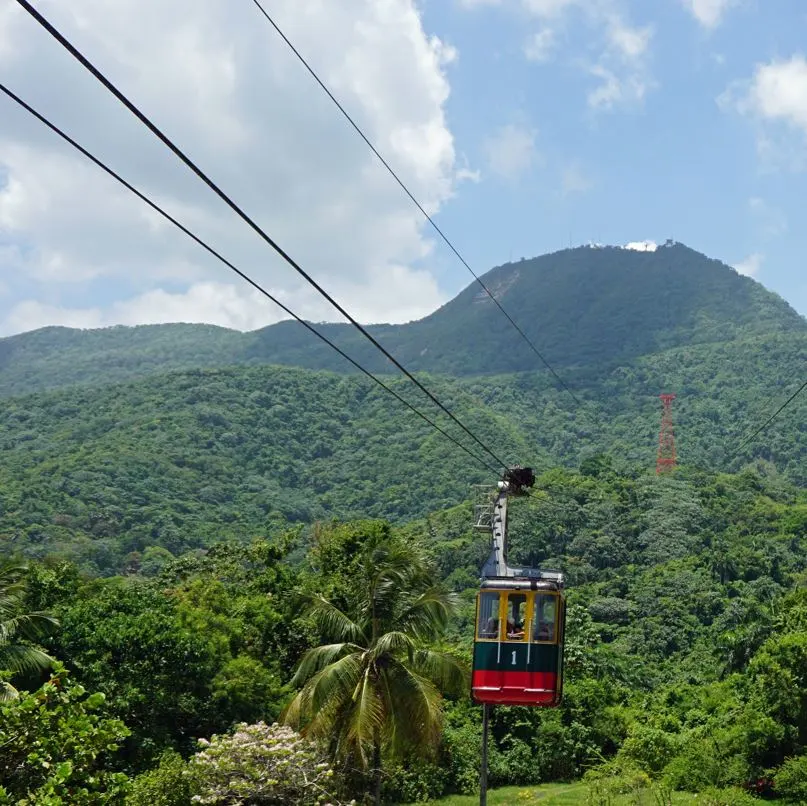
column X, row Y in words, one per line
column 708, row 13
column 220, row 82
column 751, row 265
column 540, row 46
column 235, row 306
column 775, row 97
column 614, row 90
column 550, row 8
column 778, row 92
column 641, row 246
column 511, row 151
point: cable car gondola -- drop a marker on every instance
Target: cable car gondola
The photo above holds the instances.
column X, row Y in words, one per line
column 520, row 619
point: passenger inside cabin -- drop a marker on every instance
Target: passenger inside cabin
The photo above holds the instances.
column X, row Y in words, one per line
column 544, row 618
column 516, row 607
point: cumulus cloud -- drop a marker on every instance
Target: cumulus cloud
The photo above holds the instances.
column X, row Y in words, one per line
column 229, row 305
column 709, row 13
column 511, row 151
column 775, row 98
column 751, row 265
column 778, row 92
column 217, row 79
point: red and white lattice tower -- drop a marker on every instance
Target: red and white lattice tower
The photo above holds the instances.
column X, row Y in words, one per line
column 666, row 438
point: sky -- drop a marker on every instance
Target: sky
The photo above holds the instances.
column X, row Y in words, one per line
column 522, row 126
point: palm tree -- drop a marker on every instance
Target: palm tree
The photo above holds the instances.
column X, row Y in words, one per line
column 15, row 626
column 377, row 687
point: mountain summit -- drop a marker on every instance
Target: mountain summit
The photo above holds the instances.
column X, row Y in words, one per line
column 580, row 307
column 592, row 307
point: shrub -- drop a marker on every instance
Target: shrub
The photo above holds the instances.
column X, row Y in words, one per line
column 732, row 796
column 790, row 780
column 650, row 748
column 262, row 763
column 168, row 784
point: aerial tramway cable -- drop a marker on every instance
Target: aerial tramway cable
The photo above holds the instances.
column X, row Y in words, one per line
column 146, row 121
column 411, row 196
column 772, row 417
column 154, row 206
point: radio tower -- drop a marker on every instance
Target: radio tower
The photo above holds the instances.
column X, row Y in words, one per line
column 666, row 438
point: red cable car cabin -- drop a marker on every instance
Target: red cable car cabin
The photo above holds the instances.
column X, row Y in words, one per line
column 518, row 647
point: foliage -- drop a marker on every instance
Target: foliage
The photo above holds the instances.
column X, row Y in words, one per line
column 790, row 780
column 189, row 654
column 56, row 745
column 171, row 461
column 125, row 478
column 259, row 764
column 19, row 629
column 375, row 688
column 685, row 649
column 123, row 475
column 167, row 784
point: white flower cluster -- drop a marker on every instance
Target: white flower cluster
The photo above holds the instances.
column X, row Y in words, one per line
column 262, row 763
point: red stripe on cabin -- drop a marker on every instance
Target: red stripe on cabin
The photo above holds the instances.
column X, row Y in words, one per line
column 515, row 688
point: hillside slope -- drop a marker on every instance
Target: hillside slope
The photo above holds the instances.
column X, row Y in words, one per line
column 186, row 459
column 595, row 308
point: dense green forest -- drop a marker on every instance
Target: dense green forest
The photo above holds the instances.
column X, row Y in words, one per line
column 235, row 572
column 183, row 460
column 584, row 309
column 686, row 649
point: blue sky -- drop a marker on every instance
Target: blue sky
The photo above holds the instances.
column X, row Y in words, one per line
column 522, row 125
column 682, row 162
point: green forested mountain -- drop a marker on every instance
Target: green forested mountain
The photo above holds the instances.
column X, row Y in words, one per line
column 212, row 485
column 583, row 308
column 186, row 459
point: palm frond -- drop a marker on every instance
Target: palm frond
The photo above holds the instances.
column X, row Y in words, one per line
column 418, row 713
column 391, row 643
column 393, row 570
column 8, row 692
column 447, row 673
column 12, row 575
column 335, row 624
column 366, row 717
column 20, row 659
column 31, row 626
column 322, row 695
column 318, row 657
column 426, row 617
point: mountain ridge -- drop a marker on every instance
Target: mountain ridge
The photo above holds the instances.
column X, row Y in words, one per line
column 582, row 307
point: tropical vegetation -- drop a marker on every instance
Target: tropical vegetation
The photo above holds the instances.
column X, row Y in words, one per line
column 227, row 581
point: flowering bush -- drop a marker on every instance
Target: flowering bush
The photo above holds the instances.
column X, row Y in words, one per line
column 262, row 764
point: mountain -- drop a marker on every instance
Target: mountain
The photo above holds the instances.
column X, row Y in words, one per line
column 592, row 308
column 185, row 459
column 161, row 436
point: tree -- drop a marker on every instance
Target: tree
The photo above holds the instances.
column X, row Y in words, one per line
column 375, row 689
column 55, row 743
column 16, row 628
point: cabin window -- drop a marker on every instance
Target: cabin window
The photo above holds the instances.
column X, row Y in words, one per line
column 544, row 616
column 488, row 622
column 516, row 616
